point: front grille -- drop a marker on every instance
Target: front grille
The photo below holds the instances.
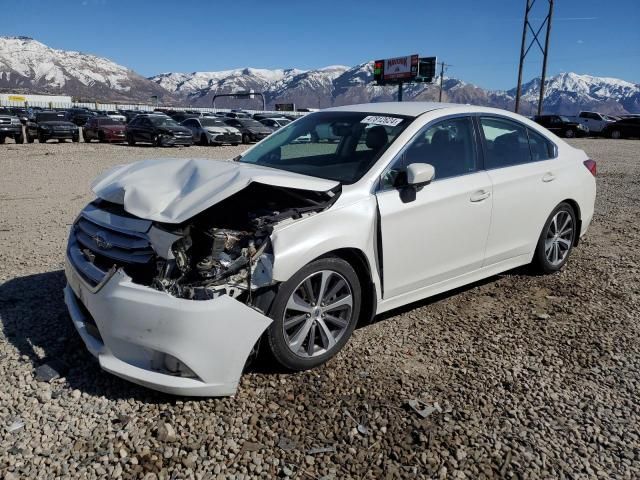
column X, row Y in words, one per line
column 101, row 239
column 5, row 121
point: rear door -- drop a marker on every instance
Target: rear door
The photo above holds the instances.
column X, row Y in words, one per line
column 528, row 182
column 437, row 232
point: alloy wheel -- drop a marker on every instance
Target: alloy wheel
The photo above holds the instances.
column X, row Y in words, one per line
column 559, row 238
column 318, row 313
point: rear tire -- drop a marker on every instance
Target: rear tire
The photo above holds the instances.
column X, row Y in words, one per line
column 19, row 138
column 1, row 140
column 29, row 138
column 75, row 138
column 101, row 137
column 570, row 133
column 556, row 240
column 615, row 134
column 130, row 140
column 306, row 330
column 204, row 141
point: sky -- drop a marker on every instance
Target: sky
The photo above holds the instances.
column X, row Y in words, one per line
column 480, row 39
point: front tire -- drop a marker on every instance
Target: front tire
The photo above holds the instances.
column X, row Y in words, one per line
column 556, row 240
column 615, row 134
column 314, row 314
column 29, row 138
column 130, row 140
column 19, row 138
column 42, row 138
column 204, row 141
column 570, row 133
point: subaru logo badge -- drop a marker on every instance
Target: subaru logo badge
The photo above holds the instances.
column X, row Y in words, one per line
column 101, row 241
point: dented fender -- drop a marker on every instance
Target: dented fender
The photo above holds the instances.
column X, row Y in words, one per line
column 346, row 225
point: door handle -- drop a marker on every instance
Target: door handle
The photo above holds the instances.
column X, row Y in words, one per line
column 548, row 177
column 480, row 195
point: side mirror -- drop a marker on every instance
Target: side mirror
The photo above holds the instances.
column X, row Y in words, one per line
column 419, row 174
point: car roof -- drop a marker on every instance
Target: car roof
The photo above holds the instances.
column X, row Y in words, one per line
column 414, row 109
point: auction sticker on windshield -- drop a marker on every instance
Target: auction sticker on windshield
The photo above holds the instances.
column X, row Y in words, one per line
column 382, row 120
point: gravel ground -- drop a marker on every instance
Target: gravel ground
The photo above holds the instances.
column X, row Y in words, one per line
column 526, row 376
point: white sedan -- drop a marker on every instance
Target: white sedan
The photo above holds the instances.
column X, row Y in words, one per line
column 182, row 269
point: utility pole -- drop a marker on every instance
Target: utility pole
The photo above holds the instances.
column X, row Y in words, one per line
column 400, row 91
column 544, row 57
column 442, row 65
column 523, row 52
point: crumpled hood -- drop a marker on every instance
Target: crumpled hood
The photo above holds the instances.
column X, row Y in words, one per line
column 174, row 190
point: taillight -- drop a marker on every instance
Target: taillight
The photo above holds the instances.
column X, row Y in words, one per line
column 591, row 166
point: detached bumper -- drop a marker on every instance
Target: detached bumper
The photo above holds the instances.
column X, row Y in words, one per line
column 133, row 329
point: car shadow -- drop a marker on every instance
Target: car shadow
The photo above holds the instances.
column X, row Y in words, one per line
column 524, row 271
column 35, row 321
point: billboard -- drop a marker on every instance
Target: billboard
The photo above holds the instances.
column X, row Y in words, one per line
column 400, row 68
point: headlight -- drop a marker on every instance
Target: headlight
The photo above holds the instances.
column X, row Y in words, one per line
column 582, row 127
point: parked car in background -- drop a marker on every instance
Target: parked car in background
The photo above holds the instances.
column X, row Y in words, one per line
column 49, row 125
column 212, row 131
column 594, row 121
column 159, row 130
column 22, row 113
column 182, row 116
column 233, row 114
column 275, row 123
column 251, row 130
column 176, row 283
column 79, row 116
column 10, row 126
column 103, row 129
column 624, row 128
column 562, row 126
column 115, row 115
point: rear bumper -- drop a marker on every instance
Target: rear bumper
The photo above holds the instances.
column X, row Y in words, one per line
column 131, row 329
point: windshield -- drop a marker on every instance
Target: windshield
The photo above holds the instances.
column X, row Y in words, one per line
column 49, row 117
column 565, row 119
column 162, row 121
column 212, row 122
column 338, row 146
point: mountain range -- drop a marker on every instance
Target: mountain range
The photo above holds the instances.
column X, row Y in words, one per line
column 29, row 66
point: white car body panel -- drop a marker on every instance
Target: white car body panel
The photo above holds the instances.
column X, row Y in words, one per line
column 173, row 190
column 213, row 337
column 441, row 234
column 456, row 231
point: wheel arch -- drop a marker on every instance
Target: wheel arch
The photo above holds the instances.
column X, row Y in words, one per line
column 359, row 262
column 576, row 210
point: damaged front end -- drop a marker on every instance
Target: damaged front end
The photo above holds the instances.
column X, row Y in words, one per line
column 224, row 250
column 178, row 307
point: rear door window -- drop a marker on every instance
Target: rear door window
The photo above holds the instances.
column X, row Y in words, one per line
column 506, row 142
column 541, row 148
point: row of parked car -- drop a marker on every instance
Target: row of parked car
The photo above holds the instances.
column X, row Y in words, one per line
column 592, row 124
column 165, row 127
column 160, row 127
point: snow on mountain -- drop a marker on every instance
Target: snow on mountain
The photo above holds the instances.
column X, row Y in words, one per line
column 26, row 64
column 571, row 92
column 30, row 66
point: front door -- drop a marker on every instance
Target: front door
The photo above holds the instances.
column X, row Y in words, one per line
column 439, row 231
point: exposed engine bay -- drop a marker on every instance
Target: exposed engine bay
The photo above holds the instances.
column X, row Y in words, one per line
column 226, row 249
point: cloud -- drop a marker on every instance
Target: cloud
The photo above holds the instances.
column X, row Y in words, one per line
column 580, row 42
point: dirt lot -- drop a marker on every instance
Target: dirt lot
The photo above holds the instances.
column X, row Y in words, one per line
column 531, row 376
